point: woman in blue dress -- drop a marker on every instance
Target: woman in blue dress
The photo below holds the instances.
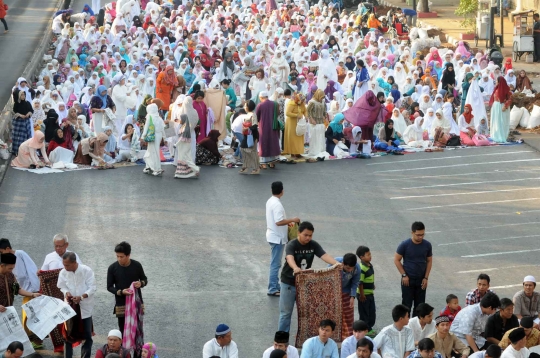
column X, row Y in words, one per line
column 500, row 103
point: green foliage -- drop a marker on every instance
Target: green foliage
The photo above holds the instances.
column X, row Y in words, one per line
column 468, row 9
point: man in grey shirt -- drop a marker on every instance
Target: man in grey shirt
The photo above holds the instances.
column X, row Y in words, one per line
column 527, row 301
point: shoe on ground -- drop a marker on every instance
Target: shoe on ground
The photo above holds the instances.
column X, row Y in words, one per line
column 37, row 345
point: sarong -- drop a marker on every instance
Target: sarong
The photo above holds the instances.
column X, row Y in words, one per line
column 48, row 282
column 318, row 297
column 348, row 315
column 133, row 328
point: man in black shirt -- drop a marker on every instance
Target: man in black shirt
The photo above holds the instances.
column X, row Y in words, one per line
column 120, row 276
column 536, row 37
column 299, row 255
column 501, row 322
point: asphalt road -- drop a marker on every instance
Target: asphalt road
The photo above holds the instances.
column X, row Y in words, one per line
column 202, row 241
column 27, row 20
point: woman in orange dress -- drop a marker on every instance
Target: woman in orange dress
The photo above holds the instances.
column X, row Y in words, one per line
column 165, row 84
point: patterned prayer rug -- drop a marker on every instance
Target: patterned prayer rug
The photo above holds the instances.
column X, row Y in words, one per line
column 318, row 297
column 48, row 280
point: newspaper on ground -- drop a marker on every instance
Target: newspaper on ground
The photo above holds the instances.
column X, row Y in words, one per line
column 44, row 313
column 11, row 329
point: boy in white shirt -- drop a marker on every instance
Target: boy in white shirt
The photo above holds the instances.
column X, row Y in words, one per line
column 517, row 348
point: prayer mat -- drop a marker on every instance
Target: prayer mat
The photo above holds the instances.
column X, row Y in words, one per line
column 48, row 282
column 318, row 297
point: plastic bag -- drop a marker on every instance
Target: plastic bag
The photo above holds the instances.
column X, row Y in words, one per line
column 515, row 116
column 301, row 127
column 480, row 140
column 341, row 151
column 524, row 121
column 534, row 119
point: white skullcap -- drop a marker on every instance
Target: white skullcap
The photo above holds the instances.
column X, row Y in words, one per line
column 115, row 333
column 529, row 279
column 263, row 94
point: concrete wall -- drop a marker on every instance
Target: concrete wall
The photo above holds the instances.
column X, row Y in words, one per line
column 531, row 4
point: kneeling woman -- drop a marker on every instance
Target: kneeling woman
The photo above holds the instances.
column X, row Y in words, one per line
column 413, row 135
column 334, row 133
column 387, row 139
column 57, row 150
column 27, row 156
column 207, row 149
column 466, row 126
column 91, row 151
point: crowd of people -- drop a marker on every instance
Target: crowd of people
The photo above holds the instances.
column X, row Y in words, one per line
column 486, row 327
column 134, row 77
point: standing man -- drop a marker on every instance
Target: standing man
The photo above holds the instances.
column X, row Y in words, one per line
column 120, row 276
column 482, row 287
column 78, row 284
column 54, row 261
column 276, row 235
column 417, row 256
column 299, row 255
column 536, row 37
column 25, row 272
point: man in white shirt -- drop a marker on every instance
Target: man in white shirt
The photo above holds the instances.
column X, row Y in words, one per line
column 276, row 235
column 78, row 284
column 364, row 349
column 493, row 351
column 396, row 340
column 517, row 348
column 422, row 325
column 281, row 341
column 222, row 345
column 54, row 261
column 349, row 344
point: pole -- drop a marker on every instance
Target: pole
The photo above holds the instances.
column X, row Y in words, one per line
column 492, row 11
column 502, row 22
column 414, row 5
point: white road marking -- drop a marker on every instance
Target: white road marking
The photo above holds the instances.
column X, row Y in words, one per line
column 501, row 253
column 457, row 175
column 507, row 286
column 475, row 241
column 495, row 269
column 457, row 165
column 453, row 157
column 470, row 183
column 485, row 227
column 468, row 204
column 463, row 193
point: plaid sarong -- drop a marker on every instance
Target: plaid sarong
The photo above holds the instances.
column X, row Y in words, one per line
column 48, row 282
column 21, row 133
column 133, row 326
column 318, row 297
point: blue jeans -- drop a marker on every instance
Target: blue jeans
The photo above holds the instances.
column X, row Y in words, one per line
column 287, row 299
column 86, row 349
column 275, row 264
column 380, row 145
column 240, row 137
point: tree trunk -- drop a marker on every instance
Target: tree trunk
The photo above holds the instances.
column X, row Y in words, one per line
column 424, row 6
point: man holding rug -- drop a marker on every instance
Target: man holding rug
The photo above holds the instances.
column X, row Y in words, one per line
column 299, row 255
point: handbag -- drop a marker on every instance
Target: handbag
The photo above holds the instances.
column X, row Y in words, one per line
column 151, row 132
column 454, row 141
column 301, row 127
column 250, row 141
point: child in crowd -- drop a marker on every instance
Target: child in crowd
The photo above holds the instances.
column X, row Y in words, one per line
column 360, row 330
column 452, row 307
column 366, row 299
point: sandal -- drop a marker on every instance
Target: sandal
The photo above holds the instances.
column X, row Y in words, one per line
column 275, row 294
column 263, row 166
column 272, row 166
column 255, row 172
column 242, row 171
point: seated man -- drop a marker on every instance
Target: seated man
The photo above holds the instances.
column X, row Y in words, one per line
column 321, row 345
column 470, row 322
column 396, row 340
column 221, row 345
column 531, row 333
column 422, row 325
column 426, row 349
column 492, row 351
column 281, row 341
column 364, row 349
column 447, row 343
column 517, row 347
column 349, row 345
column 14, row 350
column 482, row 287
column 527, row 301
column 114, row 345
column 500, row 322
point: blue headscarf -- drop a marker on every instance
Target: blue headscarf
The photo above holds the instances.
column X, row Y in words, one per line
column 124, row 56
column 189, row 77
column 335, row 125
column 82, row 60
column 88, row 9
column 103, row 98
column 396, row 95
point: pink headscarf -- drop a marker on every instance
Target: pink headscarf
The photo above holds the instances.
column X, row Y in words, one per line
column 36, row 142
column 461, row 49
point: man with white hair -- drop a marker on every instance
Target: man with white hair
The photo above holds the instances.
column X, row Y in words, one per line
column 53, row 261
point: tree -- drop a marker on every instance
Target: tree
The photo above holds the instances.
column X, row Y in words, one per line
column 424, row 6
column 468, row 9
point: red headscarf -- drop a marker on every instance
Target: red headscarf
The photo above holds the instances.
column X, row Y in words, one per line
column 170, row 78
column 468, row 116
column 501, row 93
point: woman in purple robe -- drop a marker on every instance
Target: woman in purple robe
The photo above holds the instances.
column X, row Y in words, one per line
column 202, row 111
column 269, row 129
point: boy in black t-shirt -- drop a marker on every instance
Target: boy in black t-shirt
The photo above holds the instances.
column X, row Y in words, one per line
column 299, row 255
